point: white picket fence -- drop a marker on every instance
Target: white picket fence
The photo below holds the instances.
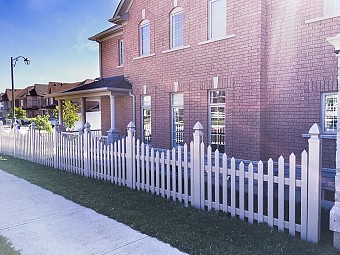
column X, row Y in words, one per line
column 283, row 195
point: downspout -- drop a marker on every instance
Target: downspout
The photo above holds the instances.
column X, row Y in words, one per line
column 133, row 107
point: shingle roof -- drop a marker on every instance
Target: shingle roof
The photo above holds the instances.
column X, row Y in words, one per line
column 116, row 82
column 58, row 87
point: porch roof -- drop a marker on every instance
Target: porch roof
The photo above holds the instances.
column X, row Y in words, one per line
column 117, row 85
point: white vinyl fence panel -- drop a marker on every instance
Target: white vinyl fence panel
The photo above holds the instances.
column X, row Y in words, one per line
column 274, row 193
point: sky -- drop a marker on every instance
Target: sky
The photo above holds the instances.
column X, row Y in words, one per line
column 53, row 34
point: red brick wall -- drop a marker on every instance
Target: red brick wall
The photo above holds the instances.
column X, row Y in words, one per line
column 273, row 71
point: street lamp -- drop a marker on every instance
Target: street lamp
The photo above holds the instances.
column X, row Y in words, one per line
column 13, row 63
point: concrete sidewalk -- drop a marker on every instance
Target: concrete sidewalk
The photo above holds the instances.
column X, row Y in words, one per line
column 38, row 222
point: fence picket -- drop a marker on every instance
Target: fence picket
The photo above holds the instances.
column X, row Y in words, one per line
column 250, row 193
column 209, row 183
column 233, row 187
column 173, row 173
column 217, row 180
column 270, row 193
column 186, row 179
column 157, row 173
column 143, row 166
column 292, row 185
column 147, row 160
column 152, row 173
column 162, row 174
column 138, row 165
column 241, row 190
column 225, row 182
column 260, row 192
column 179, row 173
column 304, row 183
column 168, row 189
column 281, row 194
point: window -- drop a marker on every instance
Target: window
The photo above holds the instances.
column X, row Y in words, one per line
column 176, row 24
column 177, row 106
column 146, row 119
column 51, row 100
column 21, row 102
column 217, row 19
column 121, row 52
column 331, row 7
column 329, row 112
column 145, row 38
column 217, row 119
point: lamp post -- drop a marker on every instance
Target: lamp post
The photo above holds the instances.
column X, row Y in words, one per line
column 13, row 63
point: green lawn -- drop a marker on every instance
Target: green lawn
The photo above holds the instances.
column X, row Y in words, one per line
column 190, row 230
column 6, row 248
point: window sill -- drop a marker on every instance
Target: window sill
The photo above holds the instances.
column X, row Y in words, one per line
column 217, row 39
column 176, row 49
column 322, row 18
column 144, row 56
column 322, row 136
column 120, row 66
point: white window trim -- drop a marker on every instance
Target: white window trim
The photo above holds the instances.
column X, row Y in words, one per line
column 174, row 12
column 176, row 49
column 323, row 99
column 172, row 117
column 144, row 56
column 217, row 39
column 209, row 114
column 210, row 38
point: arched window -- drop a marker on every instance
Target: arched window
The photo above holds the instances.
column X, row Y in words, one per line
column 144, row 35
column 176, row 27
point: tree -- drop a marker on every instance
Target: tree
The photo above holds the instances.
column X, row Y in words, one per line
column 42, row 123
column 20, row 114
column 70, row 113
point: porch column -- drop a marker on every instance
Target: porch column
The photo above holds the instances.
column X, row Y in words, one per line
column 113, row 133
column 60, row 111
column 113, row 112
column 335, row 212
column 83, row 111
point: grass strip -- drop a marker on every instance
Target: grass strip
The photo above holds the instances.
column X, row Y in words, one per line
column 188, row 229
column 6, row 248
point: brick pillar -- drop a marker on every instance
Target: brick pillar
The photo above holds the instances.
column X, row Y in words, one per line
column 335, row 212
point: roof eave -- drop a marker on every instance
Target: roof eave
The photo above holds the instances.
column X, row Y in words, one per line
column 88, row 93
column 106, row 33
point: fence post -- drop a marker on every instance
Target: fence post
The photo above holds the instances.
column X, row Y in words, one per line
column 196, row 169
column 86, row 134
column 131, row 128
column 314, row 185
column 55, row 147
column 15, row 128
column 32, row 141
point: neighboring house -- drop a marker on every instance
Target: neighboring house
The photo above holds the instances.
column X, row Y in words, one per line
column 49, row 102
column 31, row 99
column 257, row 77
column 6, row 101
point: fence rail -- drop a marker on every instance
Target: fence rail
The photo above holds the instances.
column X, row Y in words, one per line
column 193, row 174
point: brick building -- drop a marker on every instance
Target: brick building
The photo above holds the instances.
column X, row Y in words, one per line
column 257, row 77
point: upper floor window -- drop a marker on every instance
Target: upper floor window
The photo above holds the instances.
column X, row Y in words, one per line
column 121, row 52
column 217, row 19
column 331, row 7
column 329, row 112
column 176, row 25
column 21, row 102
column 145, row 38
column 51, row 101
